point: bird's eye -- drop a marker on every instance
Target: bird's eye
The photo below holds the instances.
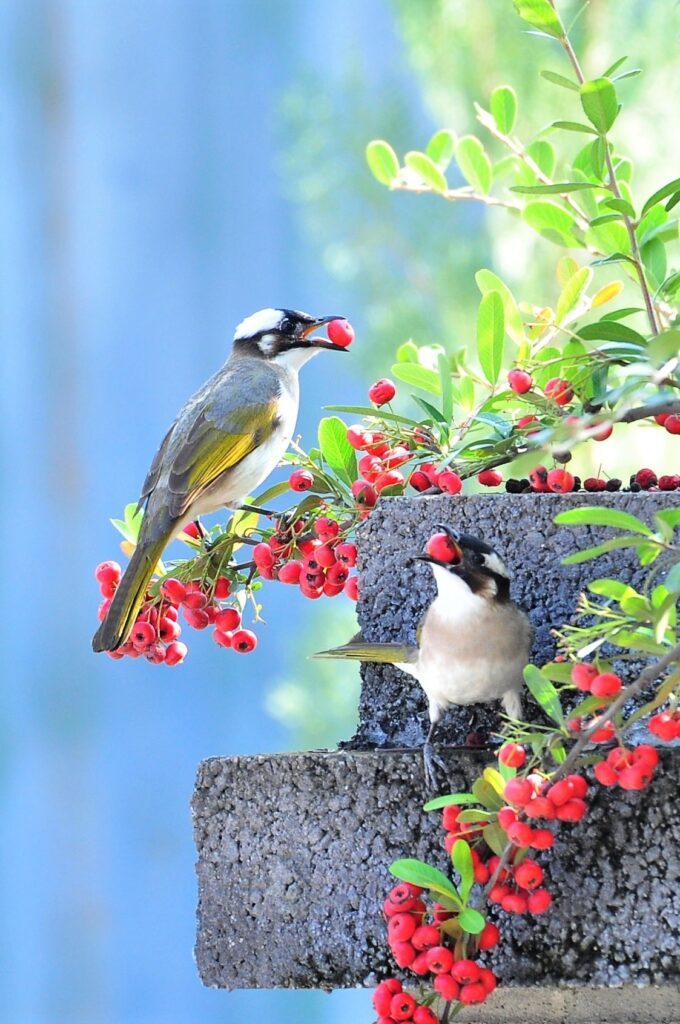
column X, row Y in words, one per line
column 286, row 325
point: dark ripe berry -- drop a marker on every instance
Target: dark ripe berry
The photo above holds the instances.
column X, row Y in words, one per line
column 668, row 483
column 222, row 638
column 108, row 573
column 538, row 901
column 447, row 987
column 512, row 755
column 520, row 381
column 340, row 332
column 528, row 874
column 244, row 641
column 444, row 549
column 143, row 634
column 382, row 391
column 352, row 588
column 175, row 653
column 559, row 390
column 646, row 478
column 672, row 424
column 402, row 1006
column 264, row 556
column 439, row 959
column 228, row 619
column 419, row 481
column 346, row 553
column 513, row 486
column 613, row 485
column 490, row 478
column 489, row 936
column 465, row 972
column 425, row 937
column 607, row 684
column 559, row 481
column 449, row 482
column 290, row 572
column 301, row 480
column 364, row 493
column 594, row 484
column 197, row 618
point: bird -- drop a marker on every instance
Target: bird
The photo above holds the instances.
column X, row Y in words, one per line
column 225, row 440
column 473, row 641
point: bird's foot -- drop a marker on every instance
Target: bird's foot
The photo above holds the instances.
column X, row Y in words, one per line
column 433, row 764
column 256, row 508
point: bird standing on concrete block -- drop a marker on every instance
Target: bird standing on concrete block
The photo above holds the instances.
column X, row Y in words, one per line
column 473, row 641
column 224, row 442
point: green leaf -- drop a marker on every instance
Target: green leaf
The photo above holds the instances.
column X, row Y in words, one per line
column 600, row 549
column 487, row 796
column 382, row 161
column 543, row 154
column 446, row 387
column 475, row 814
column 609, row 588
column 471, row 921
column 615, row 66
column 131, row 523
column 474, row 163
column 574, row 126
column 611, row 330
column 590, row 515
column 418, row 873
column 462, row 862
column 558, row 188
column 495, row 838
column 490, row 335
column 504, row 108
column 622, row 205
column 572, row 292
column 660, row 194
column 672, row 580
column 487, row 281
column 364, row 410
column 407, row 353
column 418, row 376
column 426, row 169
column 539, row 14
column 566, row 83
column 441, row 148
column 654, row 258
column 552, row 222
column 336, row 449
column 544, row 693
column 599, row 102
column 447, row 801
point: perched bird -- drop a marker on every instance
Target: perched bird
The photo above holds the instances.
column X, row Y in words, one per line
column 224, row 442
column 473, row 641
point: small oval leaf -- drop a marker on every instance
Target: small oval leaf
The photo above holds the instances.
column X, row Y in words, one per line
column 427, row 170
column 382, row 161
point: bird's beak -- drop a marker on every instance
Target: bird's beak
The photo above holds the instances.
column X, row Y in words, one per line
column 450, row 531
column 321, row 342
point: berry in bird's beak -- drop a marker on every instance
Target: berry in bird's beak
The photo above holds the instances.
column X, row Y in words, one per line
column 443, row 548
column 340, row 333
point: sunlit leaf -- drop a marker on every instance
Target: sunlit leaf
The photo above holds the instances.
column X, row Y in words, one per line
column 490, row 335
column 441, row 148
column 504, row 108
column 599, row 102
column 382, row 161
column 474, row 163
column 427, row 170
column 540, row 15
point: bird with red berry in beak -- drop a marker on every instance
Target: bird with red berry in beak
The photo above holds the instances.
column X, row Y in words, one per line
column 223, row 443
column 473, row 640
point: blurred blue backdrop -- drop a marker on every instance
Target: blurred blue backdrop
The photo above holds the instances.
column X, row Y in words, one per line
column 142, row 215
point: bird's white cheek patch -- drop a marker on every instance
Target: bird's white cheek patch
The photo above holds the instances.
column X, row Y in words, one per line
column 496, row 564
column 267, row 344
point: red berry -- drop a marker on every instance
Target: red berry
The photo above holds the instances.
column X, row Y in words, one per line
column 175, row 653
column 402, row 1006
column 391, row 478
column 559, row 390
column 507, row 816
column 672, row 424
column 143, row 634
column 449, row 482
column 646, row 478
column 419, row 965
column 447, row 987
column 346, row 553
column 520, row 381
column 103, row 610
column 475, row 993
column 582, row 675
column 604, row 734
column 602, row 431
column 668, row 483
column 518, row 791
column 424, row 1015
column 528, row 874
column 192, row 530
column 370, row 468
column 559, row 481
column 489, row 936
column 403, row 953
column 352, row 588
column 665, row 725
column 561, row 792
column 512, row 755
column 425, row 937
column 155, row 653
column 573, row 810
column 263, row 556
column 401, row 927
column 419, row 480
column 514, row 903
column 168, row 629
column 490, row 478
column 222, row 639
column 594, row 484
column 228, row 620
column 443, row 549
column 222, row 588
column 397, row 456
column 538, row 478
column 382, row 391
column 488, row 979
column 404, row 895
column 108, row 573
column 540, row 807
column 542, row 839
column 439, row 959
column 465, row 972
column 605, row 774
column 341, row 333
column 197, row 618
column 364, row 493
column 244, row 641
column 538, row 901
column 607, row 684
column 527, row 421
column 290, row 571
column 301, row 480
column 382, row 997
column 661, row 418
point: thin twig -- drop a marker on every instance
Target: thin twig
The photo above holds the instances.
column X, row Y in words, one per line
column 458, row 195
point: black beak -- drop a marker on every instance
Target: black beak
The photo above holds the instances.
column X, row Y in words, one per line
column 321, row 342
column 451, row 532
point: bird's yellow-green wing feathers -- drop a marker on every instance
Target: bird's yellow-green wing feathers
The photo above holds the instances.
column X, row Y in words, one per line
column 359, row 649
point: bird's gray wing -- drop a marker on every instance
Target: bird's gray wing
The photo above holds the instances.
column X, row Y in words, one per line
column 155, row 469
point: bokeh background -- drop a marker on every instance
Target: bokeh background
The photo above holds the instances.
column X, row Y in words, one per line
column 166, row 168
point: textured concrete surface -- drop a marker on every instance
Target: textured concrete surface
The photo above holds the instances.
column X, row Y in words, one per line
column 294, row 852
column 625, row 1005
column 394, row 595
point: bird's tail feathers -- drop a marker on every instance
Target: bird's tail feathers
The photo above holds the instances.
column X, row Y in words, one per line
column 129, row 595
column 389, row 654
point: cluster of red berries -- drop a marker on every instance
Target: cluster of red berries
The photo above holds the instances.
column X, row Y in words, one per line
column 666, row 725
column 420, row 942
column 669, row 421
column 155, row 634
column 629, row 769
column 392, row 1005
column 589, row 679
column 319, row 563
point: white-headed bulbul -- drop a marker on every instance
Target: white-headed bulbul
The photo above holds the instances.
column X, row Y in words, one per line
column 224, row 442
column 473, row 641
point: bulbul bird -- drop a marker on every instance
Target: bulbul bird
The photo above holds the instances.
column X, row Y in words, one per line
column 473, row 641
column 224, row 442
